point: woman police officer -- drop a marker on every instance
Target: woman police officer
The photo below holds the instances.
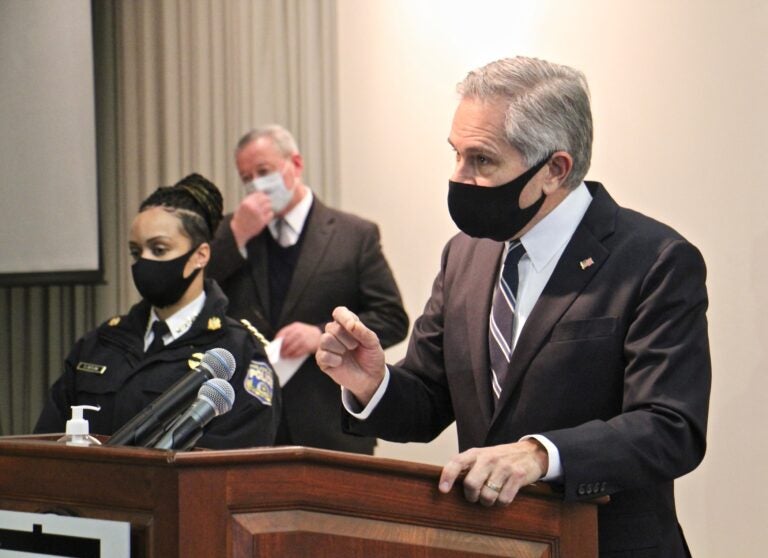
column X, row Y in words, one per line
column 130, row 360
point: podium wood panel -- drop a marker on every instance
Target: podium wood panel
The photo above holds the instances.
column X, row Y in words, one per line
column 286, row 502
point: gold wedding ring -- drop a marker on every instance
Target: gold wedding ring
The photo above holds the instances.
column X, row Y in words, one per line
column 494, row 487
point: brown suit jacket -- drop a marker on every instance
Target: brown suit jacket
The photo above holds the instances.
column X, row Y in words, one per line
column 340, row 263
column 612, row 366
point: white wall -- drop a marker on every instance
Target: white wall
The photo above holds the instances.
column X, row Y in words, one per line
column 678, row 91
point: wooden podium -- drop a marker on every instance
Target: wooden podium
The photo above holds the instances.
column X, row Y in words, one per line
column 284, row 502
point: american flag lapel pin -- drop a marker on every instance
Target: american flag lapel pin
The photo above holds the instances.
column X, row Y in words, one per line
column 584, row 264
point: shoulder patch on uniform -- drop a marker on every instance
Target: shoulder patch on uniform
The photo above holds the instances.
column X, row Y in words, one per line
column 258, row 382
column 90, row 367
column 255, row 332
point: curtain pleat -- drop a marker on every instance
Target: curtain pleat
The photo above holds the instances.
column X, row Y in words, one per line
column 178, row 82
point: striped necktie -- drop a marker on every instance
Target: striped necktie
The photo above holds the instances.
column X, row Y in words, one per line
column 503, row 317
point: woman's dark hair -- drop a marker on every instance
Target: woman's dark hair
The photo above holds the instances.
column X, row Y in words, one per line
column 196, row 200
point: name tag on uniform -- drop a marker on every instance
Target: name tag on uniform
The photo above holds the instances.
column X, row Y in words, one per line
column 91, row 368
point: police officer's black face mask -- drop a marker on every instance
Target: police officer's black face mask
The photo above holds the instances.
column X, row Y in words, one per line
column 493, row 211
column 162, row 283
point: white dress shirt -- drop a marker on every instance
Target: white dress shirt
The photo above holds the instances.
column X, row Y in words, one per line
column 544, row 244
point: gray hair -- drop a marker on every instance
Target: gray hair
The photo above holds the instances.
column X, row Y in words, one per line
column 281, row 137
column 548, row 108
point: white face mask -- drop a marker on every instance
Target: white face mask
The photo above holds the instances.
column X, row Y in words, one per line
column 273, row 186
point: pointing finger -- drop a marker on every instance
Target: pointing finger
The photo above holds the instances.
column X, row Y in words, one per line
column 341, row 335
column 357, row 329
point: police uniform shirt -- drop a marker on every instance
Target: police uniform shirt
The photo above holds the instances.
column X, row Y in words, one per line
column 178, row 324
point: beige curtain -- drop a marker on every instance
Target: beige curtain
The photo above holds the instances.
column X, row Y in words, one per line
column 179, row 81
column 195, row 75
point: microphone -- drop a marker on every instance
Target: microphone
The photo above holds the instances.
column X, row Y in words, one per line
column 215, row 398
column 143, row 428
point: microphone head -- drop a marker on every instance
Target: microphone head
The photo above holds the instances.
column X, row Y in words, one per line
column 219, row 362
column 219, row 393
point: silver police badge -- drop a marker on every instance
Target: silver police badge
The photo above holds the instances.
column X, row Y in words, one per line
column 258, row 382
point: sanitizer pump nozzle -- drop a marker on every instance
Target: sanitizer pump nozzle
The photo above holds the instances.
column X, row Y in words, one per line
column 77, row 428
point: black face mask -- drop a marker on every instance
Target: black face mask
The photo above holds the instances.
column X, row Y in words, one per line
column 493, row 212
column 162, row 283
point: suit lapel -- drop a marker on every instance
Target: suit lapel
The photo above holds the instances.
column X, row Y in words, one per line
column 487, row 256
column 318, row 231
column 572, row 273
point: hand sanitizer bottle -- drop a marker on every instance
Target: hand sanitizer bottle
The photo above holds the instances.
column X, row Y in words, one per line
column 77, row 428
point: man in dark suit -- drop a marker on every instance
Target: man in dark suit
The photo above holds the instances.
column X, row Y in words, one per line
column 285, row 260
column 565, row 335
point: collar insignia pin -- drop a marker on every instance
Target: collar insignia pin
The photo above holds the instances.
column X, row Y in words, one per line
column 584, row 264
column 214, row 324
column 194, row 361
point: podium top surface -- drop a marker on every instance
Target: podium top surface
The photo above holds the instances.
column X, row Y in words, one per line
column 45, row 445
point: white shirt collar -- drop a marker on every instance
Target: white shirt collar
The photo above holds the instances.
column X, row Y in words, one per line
column 547, row 238
column 182, row 320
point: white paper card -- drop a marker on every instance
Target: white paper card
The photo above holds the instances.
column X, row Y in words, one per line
column 285, row 368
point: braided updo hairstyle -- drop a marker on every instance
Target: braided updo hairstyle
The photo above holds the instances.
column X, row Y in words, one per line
column 197, row 202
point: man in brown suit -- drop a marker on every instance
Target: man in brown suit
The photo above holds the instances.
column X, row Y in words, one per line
column 285, row 260
column 565, row 335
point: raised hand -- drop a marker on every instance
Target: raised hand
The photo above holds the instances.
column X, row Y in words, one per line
column 251, row 216
column 351, row 355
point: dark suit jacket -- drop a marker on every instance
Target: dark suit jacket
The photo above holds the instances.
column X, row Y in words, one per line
column 612, row 366
column 340, row 263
